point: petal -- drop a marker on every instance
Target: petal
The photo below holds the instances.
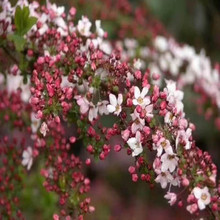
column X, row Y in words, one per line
column 137, row 151
column 136, row 92
column 25, row 154
column 164, row 166
column 24, row 162
column 146, row 100
column 120, row 99
column 138, row 136
column 144, row 92
column 132, row 142
column 111, row 108
column 113, row 100
column 163, row 183
column 197, row 192
column 30, row 162
column 201, row 204
column 135, row 102
column 172, row 166
column 159, row 151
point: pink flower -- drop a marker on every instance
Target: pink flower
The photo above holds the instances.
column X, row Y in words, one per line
column 192, row 208
column 169, row 162
column 163, row 144
column 44, row 129
column 125, row 134
column 83, row 103
column 171, row 197
column 138, row 123
column 183, row 136
column 164, row 178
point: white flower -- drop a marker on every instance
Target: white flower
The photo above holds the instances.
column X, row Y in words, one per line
column 148, row 111
column 203, row 196
column 27, row 158
column 135, row 144
column 169, row 117
column 161, row 43
column 184, row 136
column 99, row 30
column 35, row 123
column 84, row 26
column 83, row 103
column 115, row 104
column 169, row 162
column 164, row 178
column 102, row 107
column 44, row 129
column 138, row 123
column 93, row 112
column 139, row 97
column 130, row 43
column 171, row 197
column 137, row 64
column 15, row 82
column 174, row 96
column 163, row 144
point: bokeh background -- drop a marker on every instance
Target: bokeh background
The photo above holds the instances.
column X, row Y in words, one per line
column 113, row 193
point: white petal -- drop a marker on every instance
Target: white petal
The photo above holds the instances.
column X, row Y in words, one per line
column 113, row 99
column 136, row 92
column 197, row 192
column 132, row 142
column 24, row 162
column 120, row 99
column 144, row 92
column 135, row 102
column 201, row 204
column 111, row 108
column 146, row 100
column 30, row 164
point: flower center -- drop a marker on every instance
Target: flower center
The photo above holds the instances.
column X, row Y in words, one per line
column 204, row 196
column 140, row 100
column 117, row 107
column 163, row 144
column 170, row 157
column 137, row 121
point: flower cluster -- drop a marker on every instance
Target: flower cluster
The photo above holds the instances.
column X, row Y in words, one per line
column 71, row 75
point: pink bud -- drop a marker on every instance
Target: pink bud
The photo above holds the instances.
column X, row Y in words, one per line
column 57, row 119
column 72, row 139
column 88, row 161
column 185, row 182
column 131, row 169
column 117, row 148
column 134, row 177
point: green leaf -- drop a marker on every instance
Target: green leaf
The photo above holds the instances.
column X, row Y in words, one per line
column 18, row 40
column 23, row 22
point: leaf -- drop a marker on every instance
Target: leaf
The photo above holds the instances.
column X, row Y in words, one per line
column 18, row 40
column 23, row 22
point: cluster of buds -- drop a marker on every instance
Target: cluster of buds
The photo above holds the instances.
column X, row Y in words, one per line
column 75, row 76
